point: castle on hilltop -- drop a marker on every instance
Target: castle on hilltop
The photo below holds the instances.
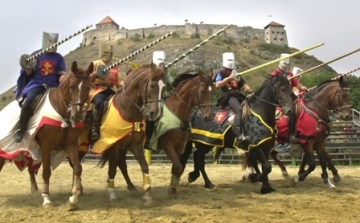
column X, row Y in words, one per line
column 108, row 29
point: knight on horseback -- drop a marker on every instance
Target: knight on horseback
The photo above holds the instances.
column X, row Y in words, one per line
column 103, row 87
column 284, row 69
column 231, row 85
column 46, row 71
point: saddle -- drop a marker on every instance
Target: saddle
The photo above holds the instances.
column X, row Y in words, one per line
column 227, row 113
column 104, row 106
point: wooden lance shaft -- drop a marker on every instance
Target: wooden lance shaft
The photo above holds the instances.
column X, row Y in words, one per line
column 135, row 53
column 323, row 64
column 57, row 44
column 196, row 47
column 279, row 59
column 337, row 77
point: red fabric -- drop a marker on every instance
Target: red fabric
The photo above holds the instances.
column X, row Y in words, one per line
column 306, row 125
column 52, row 122
column 283, row 129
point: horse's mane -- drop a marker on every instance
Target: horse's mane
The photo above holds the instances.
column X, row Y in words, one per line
column 323, row 84
column 141, row 71
column 181, row 79
column 268, row 84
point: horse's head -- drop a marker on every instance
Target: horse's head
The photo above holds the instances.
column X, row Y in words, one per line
column 282, row 93
column 79, row 90
column 146, row 87
column 343, row 100
column 203, row 94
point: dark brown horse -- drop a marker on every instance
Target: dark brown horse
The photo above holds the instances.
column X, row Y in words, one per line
column 60, row 128
column 327, row 98
column 172, row 130
column 123, row 125
column 274, row 91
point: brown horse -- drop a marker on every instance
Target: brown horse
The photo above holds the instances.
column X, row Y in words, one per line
column 60, row 127
column 123, row 125
column 327, row 98
column 169, row 135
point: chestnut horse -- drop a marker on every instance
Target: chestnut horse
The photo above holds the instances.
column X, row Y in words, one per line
column 328, row 97
column 274, row 91
column 60, row 127
column 170, row 136
column 122, row 126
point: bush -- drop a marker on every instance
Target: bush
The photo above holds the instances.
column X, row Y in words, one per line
column 150, row 36
column 176, row 35
column 195, row 36
column 274, row 48
column 136, row 37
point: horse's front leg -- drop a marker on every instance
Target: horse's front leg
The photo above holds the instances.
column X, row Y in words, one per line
column 32, row 172
column 284, row 172
column 266, row 170
column 123, row 168
column 200, row 159
column 138, row 152
column 73, row 154
column 46, row 174
column 113, row 159
column 324, row 174
column 309, row 156
column 332, row 168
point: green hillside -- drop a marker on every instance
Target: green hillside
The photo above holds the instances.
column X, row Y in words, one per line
column 248, row 54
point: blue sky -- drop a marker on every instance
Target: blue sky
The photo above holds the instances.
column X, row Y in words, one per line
column 307, row 22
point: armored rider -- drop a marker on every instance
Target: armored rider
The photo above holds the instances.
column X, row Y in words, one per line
column 284, row 69
column 35, row 77
column 230, row 85
column 103, row 87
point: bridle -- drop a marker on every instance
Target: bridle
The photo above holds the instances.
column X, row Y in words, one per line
column 195, row 92
column 69, row 103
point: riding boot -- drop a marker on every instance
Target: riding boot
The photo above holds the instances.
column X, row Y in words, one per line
column 95, row 124
column 23, row 122
column 150, row 125
column 292, row 127
column 238, row 128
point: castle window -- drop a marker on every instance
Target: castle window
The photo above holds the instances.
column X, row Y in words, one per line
column 274, row 38
column 281, row 39
column 272, row 32
column 282, row 32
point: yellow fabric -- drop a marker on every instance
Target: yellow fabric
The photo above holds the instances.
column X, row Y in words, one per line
column 114, row 127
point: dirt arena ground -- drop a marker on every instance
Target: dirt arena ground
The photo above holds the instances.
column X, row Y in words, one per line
column 231, row 201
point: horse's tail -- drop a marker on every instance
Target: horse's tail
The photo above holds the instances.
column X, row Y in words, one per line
column 187, row 152
column 245, row 161
column 216, row 152
column 103, row 159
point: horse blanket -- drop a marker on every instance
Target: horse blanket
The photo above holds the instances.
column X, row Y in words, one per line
column 167, row 122
column 115, row 127
column 213, row 132
column 27, row 152
column 308, row 125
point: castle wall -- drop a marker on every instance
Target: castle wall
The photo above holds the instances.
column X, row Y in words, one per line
column 273, row 34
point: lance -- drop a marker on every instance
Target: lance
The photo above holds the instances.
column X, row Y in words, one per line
column 196, row 47
column 323, row 64
column 337, row 77
column 28, row 62
column 103, row 71
column 279, row 59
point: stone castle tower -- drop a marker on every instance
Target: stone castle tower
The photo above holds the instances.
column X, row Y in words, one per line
column 108, row 29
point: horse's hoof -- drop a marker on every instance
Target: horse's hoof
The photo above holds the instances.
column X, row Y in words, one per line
column 132, row 188
column 72, row 207
column 190, row 180
column 267, row 190
column 210, row 186
column 252, row 177
column 147, row 201
column 285, row 174
column 47, row 205
column 296, row 179
column 337, row 179
column 172, row 193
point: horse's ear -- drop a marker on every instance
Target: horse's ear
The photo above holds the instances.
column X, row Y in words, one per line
column 210, row 73
column 162, row 66
column 90, row 68
column 74, row 67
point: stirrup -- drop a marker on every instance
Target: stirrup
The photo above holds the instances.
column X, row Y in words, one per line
column 18, row 136
column 243, row 138
column 95, row 134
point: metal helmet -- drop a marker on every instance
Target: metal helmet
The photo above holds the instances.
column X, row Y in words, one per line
column 228, row 60
column 284, row 65
column 297, row 70
column 48, row 40
column 106, row 52
column 158, row 57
